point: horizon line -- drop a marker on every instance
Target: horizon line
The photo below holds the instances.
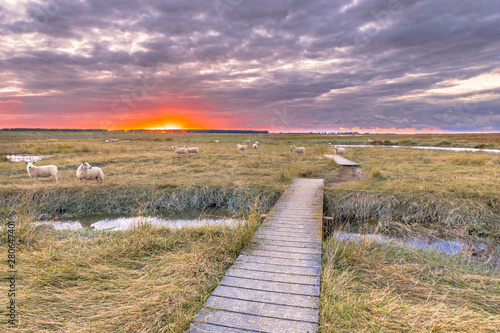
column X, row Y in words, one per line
column 34, row 129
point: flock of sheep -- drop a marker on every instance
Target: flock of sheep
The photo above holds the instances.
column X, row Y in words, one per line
column 87, row 172
column 84, row 172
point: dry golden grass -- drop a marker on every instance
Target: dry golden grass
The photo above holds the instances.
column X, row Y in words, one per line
column 373, row 287
column 143, row 280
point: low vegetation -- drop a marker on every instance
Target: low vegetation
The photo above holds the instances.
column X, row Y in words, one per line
column 153, row 279
column 145, row 279
column 376, row 287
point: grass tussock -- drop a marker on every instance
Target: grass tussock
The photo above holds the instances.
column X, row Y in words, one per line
column 99, row 199
column 390, row 212
column 373, row 287
column 146, row 279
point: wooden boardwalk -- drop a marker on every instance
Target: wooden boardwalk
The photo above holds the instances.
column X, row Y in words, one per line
column 341, row 160
column 274, row 285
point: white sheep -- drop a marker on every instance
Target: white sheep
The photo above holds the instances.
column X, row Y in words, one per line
column 242, row 147
column 41, row 171
column 298, row 150
column 215, row 141
column 255, row 146
column 257, row 143
column 180, row 151
column 87, row 172
column 192, row 150
column 369, row 140
column 339, row 150
column 247, row 141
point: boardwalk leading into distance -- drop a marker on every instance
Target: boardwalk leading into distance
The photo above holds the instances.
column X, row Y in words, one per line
column 341, row 160
column 274, row 285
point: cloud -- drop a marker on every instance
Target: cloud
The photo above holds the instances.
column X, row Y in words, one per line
column 11, row 101
column 368, row 64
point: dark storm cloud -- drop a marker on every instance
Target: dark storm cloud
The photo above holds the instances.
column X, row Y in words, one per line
column 330, row 64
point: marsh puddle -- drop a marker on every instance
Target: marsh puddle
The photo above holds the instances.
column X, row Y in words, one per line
column 25, row 158
column 480, row 251
column 117, row 222
column 473, row 150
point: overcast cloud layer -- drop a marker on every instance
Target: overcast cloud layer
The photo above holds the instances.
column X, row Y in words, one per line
column 288, row 65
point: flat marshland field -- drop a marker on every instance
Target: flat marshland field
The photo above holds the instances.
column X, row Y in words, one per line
column 151, row 279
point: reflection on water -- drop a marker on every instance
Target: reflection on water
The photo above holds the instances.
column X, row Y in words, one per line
column 125, row 223
column 25, row 158
column 473, row 150
column 481, row 251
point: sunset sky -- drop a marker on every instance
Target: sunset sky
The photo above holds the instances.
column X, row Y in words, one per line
column 284, row 65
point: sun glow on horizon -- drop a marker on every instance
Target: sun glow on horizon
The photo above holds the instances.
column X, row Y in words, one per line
column 169, row 126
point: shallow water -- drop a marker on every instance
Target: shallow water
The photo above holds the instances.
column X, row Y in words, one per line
column 25, row 158
column 473, row 150
column 125, row 223
column 481, row 251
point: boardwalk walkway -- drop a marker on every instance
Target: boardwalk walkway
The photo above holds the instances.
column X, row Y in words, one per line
column 274, row 286
column 341, row 160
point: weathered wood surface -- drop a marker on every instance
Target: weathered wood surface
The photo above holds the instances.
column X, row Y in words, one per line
column 341, row 160
column 274, row 285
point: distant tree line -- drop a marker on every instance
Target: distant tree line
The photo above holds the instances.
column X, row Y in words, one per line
column 53, row 130
column 190, row 131
column 131, row 131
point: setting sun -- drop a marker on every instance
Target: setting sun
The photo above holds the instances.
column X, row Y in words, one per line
column 169, row 126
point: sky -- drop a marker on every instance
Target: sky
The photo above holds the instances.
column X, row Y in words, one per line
column 287, row 65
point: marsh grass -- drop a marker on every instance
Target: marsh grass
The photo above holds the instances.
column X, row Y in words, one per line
column 145, row 279
column 376, row 287
column 460, row 189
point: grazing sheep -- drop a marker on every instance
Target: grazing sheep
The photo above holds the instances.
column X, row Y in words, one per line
column 242, row 147
column 247, row 141
column 298, row 150
column 369, row 140
column 257, row 143
column 114, row 140
column 339, row 151
column 41, row 171
column 180, row 151
column 107, row 141
column 255, row 146
column 87, row 172
column 215, row 141
column 192, row 150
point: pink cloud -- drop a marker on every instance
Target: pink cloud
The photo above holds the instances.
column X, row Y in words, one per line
column 11, row 101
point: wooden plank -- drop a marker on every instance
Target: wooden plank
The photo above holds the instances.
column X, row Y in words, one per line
column 286, row 243
column 279, row 261
column 286, row 249
column 279, row 287
column 267, row 297
column 290, row 227
column 255, row 323
column 309, row 271
column 305, row 243
column 268, row 276
column 304, row 236
column 262, row 309
column 279, row 254
column 197, row 327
